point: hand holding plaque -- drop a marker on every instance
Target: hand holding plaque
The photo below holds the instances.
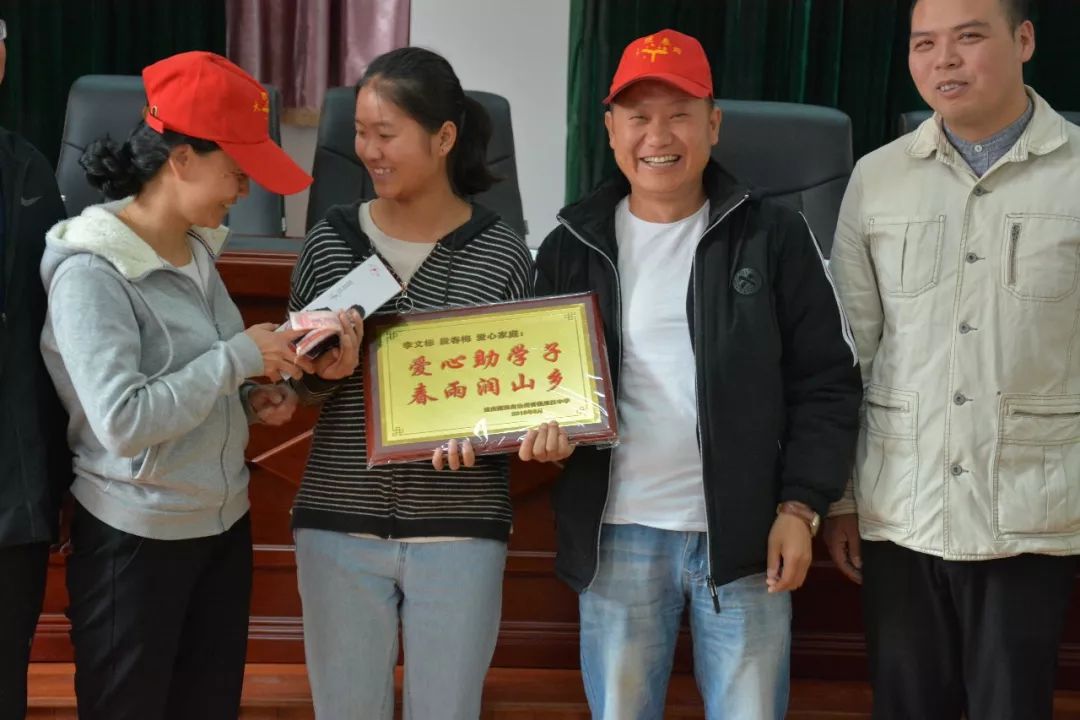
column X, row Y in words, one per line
column 547, row 443
column 490, row 374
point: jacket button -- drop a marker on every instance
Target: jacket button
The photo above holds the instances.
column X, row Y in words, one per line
column 979, row 191
column 956, row 470
column 971, row 257
column 965, row 328
column 960, row 398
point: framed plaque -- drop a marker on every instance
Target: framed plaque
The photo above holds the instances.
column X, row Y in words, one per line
column 487, row 373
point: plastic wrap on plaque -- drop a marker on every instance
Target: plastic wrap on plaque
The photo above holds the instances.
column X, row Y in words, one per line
column 487, row 373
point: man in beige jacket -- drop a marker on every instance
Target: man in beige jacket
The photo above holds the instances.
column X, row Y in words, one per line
column 957, row 257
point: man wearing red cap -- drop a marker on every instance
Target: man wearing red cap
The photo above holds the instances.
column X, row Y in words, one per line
column 738, row 390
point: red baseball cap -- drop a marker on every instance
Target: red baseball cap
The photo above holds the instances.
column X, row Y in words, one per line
column 203, row 95
column 669, row 56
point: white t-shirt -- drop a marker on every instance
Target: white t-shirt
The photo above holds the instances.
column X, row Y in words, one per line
column 195, row 269
column 404, row 257
column 192, row 271
column 657, row 475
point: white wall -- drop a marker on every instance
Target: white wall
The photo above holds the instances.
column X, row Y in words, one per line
column 517, row 49
column 299, row 142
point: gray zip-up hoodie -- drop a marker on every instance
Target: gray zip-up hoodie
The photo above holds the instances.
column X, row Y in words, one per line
column 150, row 370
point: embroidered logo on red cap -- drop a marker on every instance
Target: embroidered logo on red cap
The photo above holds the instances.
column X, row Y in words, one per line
column 668, row 56
column 265, row 106
column 651, row 48
column 205, row 96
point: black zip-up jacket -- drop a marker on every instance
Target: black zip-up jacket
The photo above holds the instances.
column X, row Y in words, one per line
column 35, row 463
column 778, row 384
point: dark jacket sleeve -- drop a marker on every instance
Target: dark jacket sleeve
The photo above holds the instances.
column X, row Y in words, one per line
column 546, row 279
column 41, row 182
column 822, row 384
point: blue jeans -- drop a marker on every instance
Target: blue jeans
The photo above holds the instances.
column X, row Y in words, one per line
column 447, row 597
column 630, row 619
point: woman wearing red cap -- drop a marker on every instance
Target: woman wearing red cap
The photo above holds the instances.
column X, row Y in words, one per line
column 151, row 360
column 405, row 545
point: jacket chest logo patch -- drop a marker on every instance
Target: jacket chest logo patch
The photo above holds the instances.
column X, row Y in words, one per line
column 747, row 281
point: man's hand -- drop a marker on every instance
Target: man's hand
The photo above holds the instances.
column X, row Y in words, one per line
column 845, row 548
column 790, row 552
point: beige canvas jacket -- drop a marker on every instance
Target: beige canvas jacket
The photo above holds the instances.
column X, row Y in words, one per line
column 964, row 297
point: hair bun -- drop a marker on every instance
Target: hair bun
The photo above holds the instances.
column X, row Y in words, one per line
column 110, row 168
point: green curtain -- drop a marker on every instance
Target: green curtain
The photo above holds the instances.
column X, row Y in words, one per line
column 847, row 54
column 52, row 42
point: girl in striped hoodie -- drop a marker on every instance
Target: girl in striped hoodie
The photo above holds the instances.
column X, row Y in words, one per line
column 404, row 544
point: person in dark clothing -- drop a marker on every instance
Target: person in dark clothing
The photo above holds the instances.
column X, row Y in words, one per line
column 35, row 464
column 737, row 389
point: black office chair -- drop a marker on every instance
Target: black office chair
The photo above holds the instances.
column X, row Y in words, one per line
column 341, row 178
column 799, row 154
column 112, row 104
column 909, row 121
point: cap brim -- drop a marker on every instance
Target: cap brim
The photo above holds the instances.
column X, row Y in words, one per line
column 269, row 165
column 688, row 86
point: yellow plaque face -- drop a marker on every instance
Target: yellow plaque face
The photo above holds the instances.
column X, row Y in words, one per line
column 488, row 374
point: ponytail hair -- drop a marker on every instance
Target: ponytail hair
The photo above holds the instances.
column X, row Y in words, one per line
column 425, row 87
column 121, row 170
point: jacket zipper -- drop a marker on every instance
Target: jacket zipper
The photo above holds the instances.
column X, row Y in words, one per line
column 1050, row 414
column 11, row 218
column 618, row 362
column 205, row 302
column 1014, row 241
column 697, row 395
column 887, row 408
column 224, row 400
column 619, row 357
column 224, row 474
column 403, row 305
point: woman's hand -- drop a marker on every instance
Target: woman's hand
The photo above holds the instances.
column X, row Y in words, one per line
column 279, row 357
column 272, row 404
column 342, row 361
column 451, row 456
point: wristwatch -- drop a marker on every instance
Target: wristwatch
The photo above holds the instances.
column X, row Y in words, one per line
column 801, row 510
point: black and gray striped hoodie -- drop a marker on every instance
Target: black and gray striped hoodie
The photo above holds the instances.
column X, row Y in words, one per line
column 481, row 262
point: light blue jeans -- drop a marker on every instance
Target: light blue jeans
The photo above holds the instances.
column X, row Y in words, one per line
column 630, row 619
column 447, row 597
